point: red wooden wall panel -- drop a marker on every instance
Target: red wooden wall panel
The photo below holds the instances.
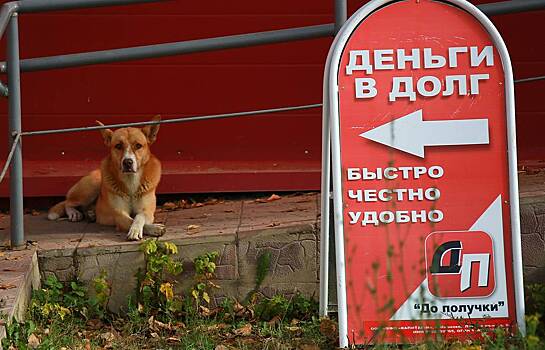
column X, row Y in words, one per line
column 273, row 152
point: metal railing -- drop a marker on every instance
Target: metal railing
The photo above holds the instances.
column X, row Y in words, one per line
column 14, row 66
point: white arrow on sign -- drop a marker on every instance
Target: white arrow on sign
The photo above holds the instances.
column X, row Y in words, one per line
column 410, row 133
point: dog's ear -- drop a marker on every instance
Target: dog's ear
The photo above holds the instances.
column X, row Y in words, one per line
column 151, row 131
column 106, row 134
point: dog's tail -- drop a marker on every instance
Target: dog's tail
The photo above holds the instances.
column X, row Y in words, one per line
column 57, row 211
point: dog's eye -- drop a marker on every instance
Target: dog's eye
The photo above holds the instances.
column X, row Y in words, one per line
column 119, row 146
column 138, row 146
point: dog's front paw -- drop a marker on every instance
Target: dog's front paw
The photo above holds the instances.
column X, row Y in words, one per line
column 73, row 214
column 155, row 230
column 135, row 233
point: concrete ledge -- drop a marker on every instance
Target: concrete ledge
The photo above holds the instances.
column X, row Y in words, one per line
column 19, row 276
column 532, row 216
column 293, row 249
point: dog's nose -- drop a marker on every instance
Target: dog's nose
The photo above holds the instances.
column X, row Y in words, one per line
column 127, row 163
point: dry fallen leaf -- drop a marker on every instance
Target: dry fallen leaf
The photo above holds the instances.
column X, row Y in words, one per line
column 244, row 331
column 274, row 321
column 33, row 341
column 155, row 325
column 169, row 206
column 273, row 197
column 328, row 328
column 237, row 307
column 204, row 311
column 154, row 335
column 192, row 229
column 184, row 204
column 179, row 325
column 294, row 329
column 173, row 340
column 212, row 201
column 273, row 224
column 7, row 286
column 10, row 257
column 94, row 324
column 107, row 336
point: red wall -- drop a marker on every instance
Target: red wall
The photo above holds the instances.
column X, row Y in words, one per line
column 274, row 152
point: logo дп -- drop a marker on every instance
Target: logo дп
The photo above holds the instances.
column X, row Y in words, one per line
column 460, row 264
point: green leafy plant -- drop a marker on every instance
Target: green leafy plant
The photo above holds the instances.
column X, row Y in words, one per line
column 536, row 298
column 17, row 334
column 57, row 308
column 262, row 270
column 155, row 293
column 297, row 307
column 532, row 341
column 55, row 301
column 99, row 301
column 205, row 266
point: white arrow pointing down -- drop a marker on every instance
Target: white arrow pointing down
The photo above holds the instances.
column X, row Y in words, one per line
column 410, row 133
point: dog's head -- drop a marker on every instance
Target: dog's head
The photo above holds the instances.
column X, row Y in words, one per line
column 130, row 147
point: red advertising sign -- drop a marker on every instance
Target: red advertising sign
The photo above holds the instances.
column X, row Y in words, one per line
column 422, row 123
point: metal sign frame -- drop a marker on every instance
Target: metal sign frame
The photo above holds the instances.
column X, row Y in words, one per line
column 331, row 162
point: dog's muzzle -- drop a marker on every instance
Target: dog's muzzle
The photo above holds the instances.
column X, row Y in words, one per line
column 128, row 165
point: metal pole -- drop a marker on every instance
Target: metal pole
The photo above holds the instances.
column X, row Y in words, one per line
column 3, row 89
column 504, row 7
column 174, row 120
column 14, row 144
column 340, row 14
column 526, row 80
column 175, row 48
column 325, row 211
column 8, row 9
column 14, row 114
column 340, row 18
column 55, row 5
column 211, row 44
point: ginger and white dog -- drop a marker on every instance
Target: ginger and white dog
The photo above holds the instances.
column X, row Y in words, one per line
column 123, row 189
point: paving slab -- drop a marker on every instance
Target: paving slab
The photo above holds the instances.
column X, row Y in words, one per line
column 222, row 218
column 19, row 275
column 288, row 211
